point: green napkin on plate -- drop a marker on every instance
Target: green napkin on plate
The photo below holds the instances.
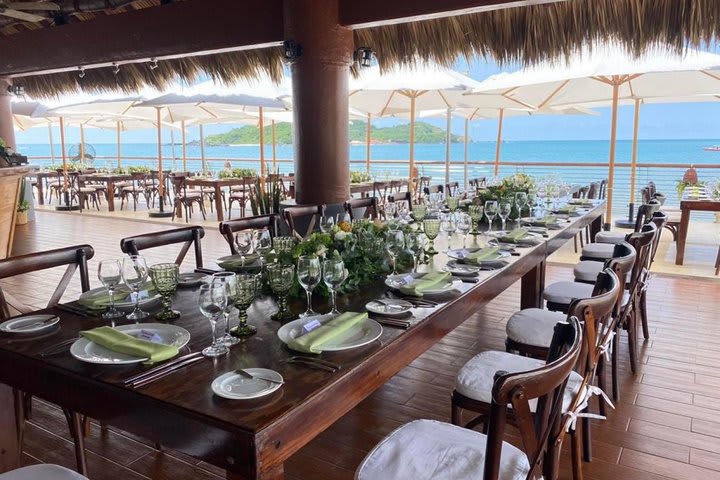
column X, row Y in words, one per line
column 120, row 342
column 567, row 209
column 313, row 341
column 515, row 236
column 482, row 255
column 235, row 261
column 101, row 299
column 547, row 220
column 429, row 281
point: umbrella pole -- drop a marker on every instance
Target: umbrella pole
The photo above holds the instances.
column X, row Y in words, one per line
column 498, row 144
column 448, row 125
column 412, row 175
column 368, row 135
column 634, row 151
column 263, row 173
column 184, row 146
column 160, row 213
column 82, row 143
column 66, row 190
column 119, row 161
column 274, row 146
column 465, row 161
column 52, row 146
column 202, row 149
column 611, row 168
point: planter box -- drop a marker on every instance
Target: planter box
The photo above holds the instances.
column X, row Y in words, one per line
column 21, row 218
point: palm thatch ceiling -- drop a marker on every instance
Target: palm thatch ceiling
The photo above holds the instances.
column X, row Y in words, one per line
column 526, row 35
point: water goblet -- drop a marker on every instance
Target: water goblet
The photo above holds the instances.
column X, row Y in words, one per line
column 390, row 211
column 491, row 211
column 212, row 301
column 464, row 224
column 395, row 244
column 280, row 277
column 263, row 243
column 165, row 279
column 283, row 244
column 308, row 272
column 476, row 214
column 245, row 244
column 415, row 243
column 134, row 274
column 334, row 274
column 247, row 288
column 432, row 230
column 452, row 203
column 326, row 224
column 109, row 274
column 531, row 203
column 504, row 210
column 419, row 211
column 521, row 199
column 448, row 225
column 228, row 279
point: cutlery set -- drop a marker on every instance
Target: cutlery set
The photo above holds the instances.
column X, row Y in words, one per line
column 314, row 362
column 163, row 370
column 74, row 309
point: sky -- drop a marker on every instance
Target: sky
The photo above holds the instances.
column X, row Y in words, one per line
column 658, row 121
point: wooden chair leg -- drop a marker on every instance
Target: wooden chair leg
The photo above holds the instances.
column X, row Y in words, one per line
column 575, row 454
column 614, row 366
column 717, row 263
column 602, row 407
column 643, row 314
column 632, row 340
column 20, row 414
column 455, row 414
column 575, row 243
column 587, row 440
column 75, row 422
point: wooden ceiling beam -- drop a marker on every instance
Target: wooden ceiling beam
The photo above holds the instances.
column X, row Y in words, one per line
column 374, row 13
column 167, row 31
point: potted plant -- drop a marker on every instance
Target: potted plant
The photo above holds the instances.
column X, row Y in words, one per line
column 21, row 218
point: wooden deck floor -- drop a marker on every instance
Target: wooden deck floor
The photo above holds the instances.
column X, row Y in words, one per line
column 667, row 424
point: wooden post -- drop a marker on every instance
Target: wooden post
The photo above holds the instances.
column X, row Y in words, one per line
column 160, row 156
column 52, row 146
column 448, row 138
column 7, row 131
column 119, row 160
column 202, row 149
column 633, row 166
column 368, row 134
column 411, row 175
column 611, row 167
column 62, row 147
column 274, row 146
column 465, row 162
column 82, row 143
column 184, row 146
column 498, row 144
column 263, row 173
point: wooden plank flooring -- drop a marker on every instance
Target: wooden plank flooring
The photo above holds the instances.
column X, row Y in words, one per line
column 667, row 424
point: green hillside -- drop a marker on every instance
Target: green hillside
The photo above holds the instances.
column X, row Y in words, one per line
column 424, row 133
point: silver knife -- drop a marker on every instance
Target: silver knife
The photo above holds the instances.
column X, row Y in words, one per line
column 246, row 374
column 159, row 368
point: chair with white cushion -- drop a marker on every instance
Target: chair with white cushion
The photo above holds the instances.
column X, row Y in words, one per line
column 42, row 472
column 427, row 449
column 586, row 271
column 643, row 216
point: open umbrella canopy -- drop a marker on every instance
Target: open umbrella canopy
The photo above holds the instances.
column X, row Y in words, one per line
column 29, row 114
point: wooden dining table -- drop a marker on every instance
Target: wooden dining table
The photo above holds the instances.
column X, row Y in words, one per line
column 686, row 208
column 251, row 439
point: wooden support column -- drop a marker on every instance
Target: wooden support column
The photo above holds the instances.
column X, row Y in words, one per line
column 633, row 167
column 320, row 100
column 7, row 133
column 498, row 143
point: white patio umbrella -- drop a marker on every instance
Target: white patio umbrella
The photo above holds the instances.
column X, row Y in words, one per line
column 31, row 114
column 607, row 73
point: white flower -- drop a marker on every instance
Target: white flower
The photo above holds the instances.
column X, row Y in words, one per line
column 322, row 249
column 340, row 235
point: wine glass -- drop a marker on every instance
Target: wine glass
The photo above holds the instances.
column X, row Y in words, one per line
column 326, row 223
column 432, row 230
column 134, row 274
column 212, row 301
column 395, row 244
column 452, row 203
column 308, row 272
column 247, row 288
column 476, row 214
column 263, row 243
column 230, row 281
column 109, row 274
column 280, row 277
column 415, row 243
column 531, row 203
column 390, row 211
column 521, row 199
column 491, row 211
column 334, row 274
column 244, row 243
column 419, row 211
column 165, row 278
column 447, row 225
column 464, row 224
column 504, row 210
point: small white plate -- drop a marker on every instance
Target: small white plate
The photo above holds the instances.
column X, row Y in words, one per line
column 29, row 324
column 360, row 334
column 191, row 279
column 462, row 269
column 236, row 387
column 399, row 281
column 389, row 307
column 88, row 351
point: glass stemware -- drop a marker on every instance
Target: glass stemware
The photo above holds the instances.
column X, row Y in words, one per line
column 134, row 274
column 415, row 243
column 229, row 279
column 244, row 243
column 280, row 277
column 491, row 210
column 212, row 301
column 247, row 288
column 432, row 230
column 464, row 224
column 395, row 244
column 448, row 225
column 419, row 211
column 326, row 223
column 504, row 210
column 390, row 211
column 452, row 203
column 284, row 244
column 109, row 274
column 165, row 279
column 531, row 203
column 263, row 243
column 521, row 199
column 476, row 214
column 308, row 272
column 334, row 274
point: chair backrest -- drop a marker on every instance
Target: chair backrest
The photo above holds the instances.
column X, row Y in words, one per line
column 547, row 385
column 370, row 204
column 434, row 189
column 402, row 197
column 74, row 257
column 291, row 214
column 229, row 228
column 451, row 188
column 380, row 190
column 603, row 189
column 188, row 236
column 178, row 184
column 660, row 219
column 593, row 191
column 642, row 243
column 478, row 182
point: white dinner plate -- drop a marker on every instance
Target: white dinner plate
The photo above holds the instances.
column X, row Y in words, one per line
column 236, row 387
column 389, row 307
column 461, row 254
column 399, row 281
column 191, row 279
column 234, row 262
column 462, row 269
column 126, row 304
column 29, row 324
column 88, row 351
column 358, row 335
column 539, row 221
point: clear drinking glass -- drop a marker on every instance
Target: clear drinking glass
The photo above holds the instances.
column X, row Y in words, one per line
column 432, row 230
column 280, row 277
column 464, row 224
column 390, row 211
column 504, row 210
column 109, row 274
column 326, row 223
column 229, row 279
column 308, row 272
column 334, row 274
column 448, row 225
column 165, row 279
column 531, row 202
column 395, row 244
column 134, row 274
column 212, row 301
column 263, row 243
column 521, row 199
column 247, row 288
column 491, row 211
column 244, row 243
column 415, row 243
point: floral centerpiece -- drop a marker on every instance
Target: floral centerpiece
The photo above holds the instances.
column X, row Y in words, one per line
column 508, row 187
column 359, row 177
column 237, row 173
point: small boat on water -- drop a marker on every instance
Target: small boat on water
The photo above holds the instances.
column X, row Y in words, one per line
column 712, row 148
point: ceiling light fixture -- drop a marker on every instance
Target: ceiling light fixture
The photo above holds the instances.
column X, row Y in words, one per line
column 153, row 63
column 18, row 90
column 115, row 68
column 363, row 56
column 291, row 49
column 81, row 73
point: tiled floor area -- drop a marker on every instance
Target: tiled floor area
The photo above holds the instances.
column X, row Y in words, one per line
column 667, row 424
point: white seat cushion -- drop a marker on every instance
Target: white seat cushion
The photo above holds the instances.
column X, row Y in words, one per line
column 42, row 472
column 432, row 450
column 476, row 378
column 601, row 251
column 564, row 293
column 588, row 270
column 533, row 326
column 610, row 237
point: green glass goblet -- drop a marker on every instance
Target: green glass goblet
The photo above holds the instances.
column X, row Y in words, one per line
column 432, row 230
column 281, row 279
column 476, row 213
column 283, row 244
column 165, row 279
column 246, row 290
column 419, row 212
column 452, row 203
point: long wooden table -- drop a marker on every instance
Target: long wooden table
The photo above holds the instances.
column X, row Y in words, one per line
column 250, row 439
column 108, row 178
column 686, row 207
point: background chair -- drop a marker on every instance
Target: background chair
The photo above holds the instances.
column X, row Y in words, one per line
column 311, row 214
column 370, row 204
column 229, row 228
column 188, row 236
column 185, row 199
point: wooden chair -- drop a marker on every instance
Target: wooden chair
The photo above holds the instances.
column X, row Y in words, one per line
column 421, row 185
column 55, row 186
column 75, row 258
column 451, row 188
column 134, row 191
column 370, row 204
column 185, row 199
column 434, row 189
column 479, row 182
column 402, row 197
column 241, row 194
column 311, row 213
column 380, row 191
column 461, row 450
column 86, row 193
column 229, row 228
column 188, row 236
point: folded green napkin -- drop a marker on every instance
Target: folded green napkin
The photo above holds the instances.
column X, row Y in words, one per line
column 235, row 261
column 515, row 236
column 547, row 220
column 429, row 281
column 484, row 254
column 122, row 343
column 567, row 209
column 101, row 300
column 312, row 342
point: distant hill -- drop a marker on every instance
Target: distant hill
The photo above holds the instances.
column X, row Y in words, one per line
column 424, row 133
